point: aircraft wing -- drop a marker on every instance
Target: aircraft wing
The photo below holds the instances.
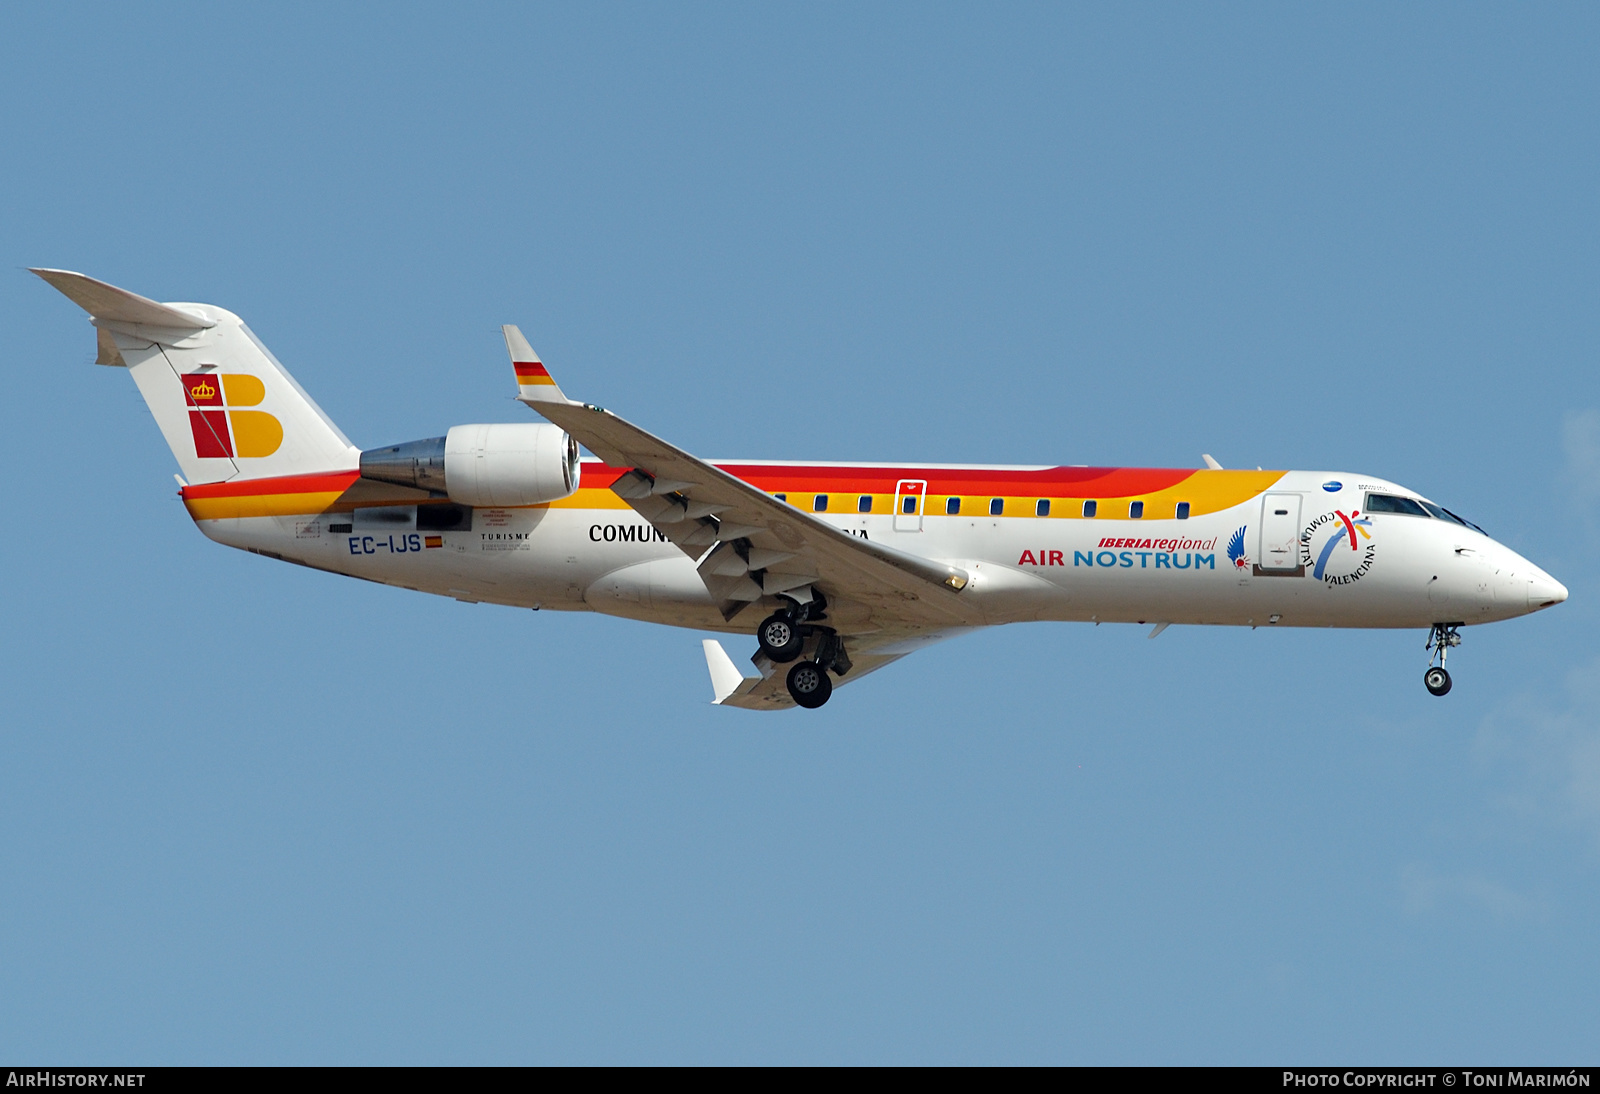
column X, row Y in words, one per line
column 748, row 543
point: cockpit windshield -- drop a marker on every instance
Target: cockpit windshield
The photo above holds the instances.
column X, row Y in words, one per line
column 1392, row 503
column 1415, row 507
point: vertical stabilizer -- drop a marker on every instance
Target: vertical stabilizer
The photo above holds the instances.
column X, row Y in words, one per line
column 227, row 408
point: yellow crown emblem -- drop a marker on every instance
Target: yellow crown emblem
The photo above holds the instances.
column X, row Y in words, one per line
column 203, row 390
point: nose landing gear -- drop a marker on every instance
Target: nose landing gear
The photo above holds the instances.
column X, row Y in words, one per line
column 1442, row 638
column 1437, row 681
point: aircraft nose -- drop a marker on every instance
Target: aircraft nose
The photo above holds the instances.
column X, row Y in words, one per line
column 1545, row 591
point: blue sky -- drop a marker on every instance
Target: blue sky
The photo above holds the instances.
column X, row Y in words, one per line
column 253, row 813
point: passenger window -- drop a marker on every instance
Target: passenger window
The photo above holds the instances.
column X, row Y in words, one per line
column 820, row 503
column 864, row 503
column 781, row 497
column 1135, row 510
column 1041, row 508
column 952, row 506
column 1183, row 510
column 908, row 504
column 1089, row 508
column 996, row 506
column 1390, row 503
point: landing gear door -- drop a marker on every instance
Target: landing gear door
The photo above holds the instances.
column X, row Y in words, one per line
column 909, row 496
column 1280, row 533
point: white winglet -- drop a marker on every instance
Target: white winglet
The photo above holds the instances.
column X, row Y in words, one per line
column 534, row 382
column 726, row 679
column 1210, row 462
column 1157, row 629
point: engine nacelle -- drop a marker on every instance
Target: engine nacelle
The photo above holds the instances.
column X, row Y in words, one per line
column 484, row 465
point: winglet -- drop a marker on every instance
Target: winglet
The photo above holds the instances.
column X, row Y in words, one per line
column 534, row 382
column 1210, row 462
column 727, row 681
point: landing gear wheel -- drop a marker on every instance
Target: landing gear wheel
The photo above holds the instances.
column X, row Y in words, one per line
column 780, row 638
column 1442, row 638
column 809, row 684
column 1436, row 680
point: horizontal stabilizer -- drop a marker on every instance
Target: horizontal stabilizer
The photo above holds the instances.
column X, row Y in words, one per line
column 107, row 302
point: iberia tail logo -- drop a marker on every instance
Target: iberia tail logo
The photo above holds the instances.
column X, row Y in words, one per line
column 227, row 430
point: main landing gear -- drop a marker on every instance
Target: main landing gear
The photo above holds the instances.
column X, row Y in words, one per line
column 780, row 638
column 783, row 637
column 809, row 684
column 1443, row 637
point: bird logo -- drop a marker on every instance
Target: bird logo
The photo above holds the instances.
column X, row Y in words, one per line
column 1236, row 550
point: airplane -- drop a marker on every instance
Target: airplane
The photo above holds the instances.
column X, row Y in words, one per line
column 839, row 569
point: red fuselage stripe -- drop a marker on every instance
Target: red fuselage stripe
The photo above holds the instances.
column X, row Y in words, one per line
column 1104, row 482
column 337, row 482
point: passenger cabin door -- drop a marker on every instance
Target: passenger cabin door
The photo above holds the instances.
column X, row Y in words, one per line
column 1280, row 533
column 909, row 496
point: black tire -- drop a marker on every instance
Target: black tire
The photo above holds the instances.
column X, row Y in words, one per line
column 809, row 684
column 1437, row 681
column 780, row 638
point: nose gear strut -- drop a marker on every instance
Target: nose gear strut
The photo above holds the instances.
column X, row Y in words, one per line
column 1441, row 639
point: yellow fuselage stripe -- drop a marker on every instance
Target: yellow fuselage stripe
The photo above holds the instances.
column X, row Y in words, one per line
column 1205, row 491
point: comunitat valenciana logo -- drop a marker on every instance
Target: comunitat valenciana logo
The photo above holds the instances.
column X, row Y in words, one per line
column 228, row 430
column 1337, row 548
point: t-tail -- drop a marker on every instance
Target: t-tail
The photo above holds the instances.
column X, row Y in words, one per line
column 227, row 408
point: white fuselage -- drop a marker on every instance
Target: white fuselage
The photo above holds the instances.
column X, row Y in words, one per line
column 1396, row 570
